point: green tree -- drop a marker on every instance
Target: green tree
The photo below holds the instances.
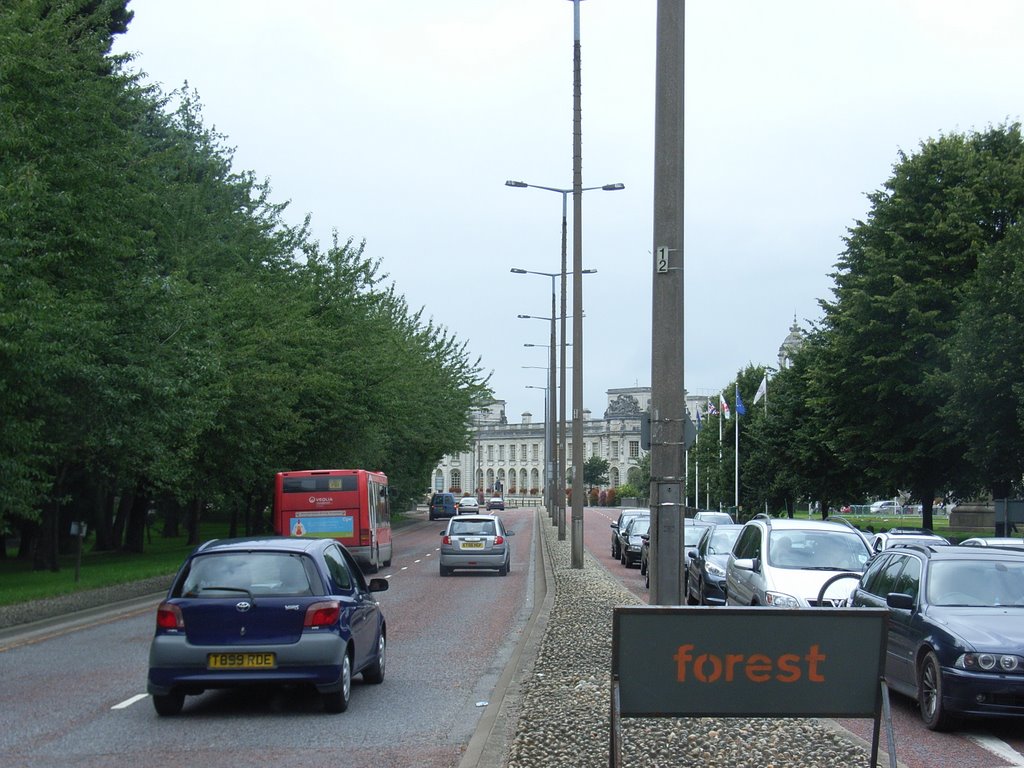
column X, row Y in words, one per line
column 899, row 287
column 986, row 378
column 595, row 471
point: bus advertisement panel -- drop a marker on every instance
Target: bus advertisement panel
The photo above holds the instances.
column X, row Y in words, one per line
column 350, row 505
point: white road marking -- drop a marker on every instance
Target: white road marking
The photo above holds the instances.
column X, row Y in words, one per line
column 997, row 747
column 128, row 702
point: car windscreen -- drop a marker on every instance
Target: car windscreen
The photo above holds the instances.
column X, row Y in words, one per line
column 722, row 540
column 817, row 550
column 640, row 526
column 976, row 583
column 472, row 528
column 260, row 574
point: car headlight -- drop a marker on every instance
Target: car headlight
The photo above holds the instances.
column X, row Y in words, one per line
column 991, row 662
column 714, row 569
column 780, row 600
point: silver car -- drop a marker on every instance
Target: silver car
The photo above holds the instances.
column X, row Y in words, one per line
column 474, row 542
column 785, row 563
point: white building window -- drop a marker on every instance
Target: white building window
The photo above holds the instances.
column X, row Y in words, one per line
column 615, row 449
column 512, row 452
column 501, row 453
column 490, row 453
column 536, row 452
column 634, row 449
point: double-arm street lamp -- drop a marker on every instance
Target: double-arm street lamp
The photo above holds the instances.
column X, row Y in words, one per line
column 577, row 374
column 550, row 479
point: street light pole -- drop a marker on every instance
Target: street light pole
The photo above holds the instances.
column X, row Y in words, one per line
column 562, row 420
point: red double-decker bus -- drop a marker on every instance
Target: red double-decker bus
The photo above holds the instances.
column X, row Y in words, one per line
column 350, row 505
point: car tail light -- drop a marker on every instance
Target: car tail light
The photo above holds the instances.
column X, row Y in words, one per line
column 322, row 614
column 499, row 540
column 168, row 616
column 447, row 540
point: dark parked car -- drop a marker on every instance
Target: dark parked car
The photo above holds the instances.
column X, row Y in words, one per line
column 692, row 531
column 956, row 628
column 267, row 611
column 705, row 565
column 443, row 505
column 496, row 503
column 630, row 539
column 624, row 517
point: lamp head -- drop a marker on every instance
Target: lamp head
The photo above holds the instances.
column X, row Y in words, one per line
column 518, row 271
column 609, row 187
column 511, row 183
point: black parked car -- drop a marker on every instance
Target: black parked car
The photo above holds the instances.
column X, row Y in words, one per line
column 705, row 564
column 956, row 628
column 630, row 539
column 692, row 533
column 624, row 517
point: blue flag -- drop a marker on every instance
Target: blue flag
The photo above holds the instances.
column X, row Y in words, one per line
column 698, row 419
column 740, row 409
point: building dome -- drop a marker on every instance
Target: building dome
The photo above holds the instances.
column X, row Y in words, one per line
column 791, row 345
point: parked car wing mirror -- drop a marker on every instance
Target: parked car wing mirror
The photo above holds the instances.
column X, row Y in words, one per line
column 379, row 585
column 746, row 564
column 899, row 600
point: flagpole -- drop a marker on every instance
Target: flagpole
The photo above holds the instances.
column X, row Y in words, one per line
column 737, row 480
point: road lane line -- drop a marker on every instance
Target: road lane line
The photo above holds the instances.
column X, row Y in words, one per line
column 128, row 702
column 997, row 747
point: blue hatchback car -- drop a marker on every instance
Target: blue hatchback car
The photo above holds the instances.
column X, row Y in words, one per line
column 270, row 610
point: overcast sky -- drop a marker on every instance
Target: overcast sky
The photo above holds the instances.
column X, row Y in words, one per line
column 398, row 123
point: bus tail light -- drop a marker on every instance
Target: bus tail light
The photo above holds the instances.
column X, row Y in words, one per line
column 322, row 614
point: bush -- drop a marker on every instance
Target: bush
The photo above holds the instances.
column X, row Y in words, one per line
column 612, row 497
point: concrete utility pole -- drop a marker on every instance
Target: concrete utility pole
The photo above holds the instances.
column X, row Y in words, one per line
column 576, row 530
column 668, row 400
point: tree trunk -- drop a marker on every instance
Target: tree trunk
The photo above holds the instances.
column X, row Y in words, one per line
column 194, row 510
column 135, row 529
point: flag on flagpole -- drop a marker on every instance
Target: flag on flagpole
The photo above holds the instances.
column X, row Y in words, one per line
column 762, row 389
column 740, row 408
column 712, row 411
column 723, row 406
column 698, row 419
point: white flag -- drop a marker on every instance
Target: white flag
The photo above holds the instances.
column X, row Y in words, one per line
column 762, row 390
column 723, row 406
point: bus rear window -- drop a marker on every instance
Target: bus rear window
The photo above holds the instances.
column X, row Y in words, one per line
column 333, row 483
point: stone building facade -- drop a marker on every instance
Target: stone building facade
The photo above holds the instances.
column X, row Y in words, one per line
column 511, row 459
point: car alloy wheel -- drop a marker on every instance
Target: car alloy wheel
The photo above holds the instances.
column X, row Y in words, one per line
column 929, row 694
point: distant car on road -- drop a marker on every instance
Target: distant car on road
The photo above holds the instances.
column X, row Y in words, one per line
column 468, row 505
column 267, row 611
column 443, row 505
column 472, row 542
column 895, row 536
column 495, row 502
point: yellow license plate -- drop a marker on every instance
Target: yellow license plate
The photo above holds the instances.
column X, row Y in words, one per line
column 472, row 545
column 240, row 661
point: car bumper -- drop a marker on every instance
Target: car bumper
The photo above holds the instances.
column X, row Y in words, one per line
column 983, row 694
column 473, row 559
column 714, row 590
column 176, row 663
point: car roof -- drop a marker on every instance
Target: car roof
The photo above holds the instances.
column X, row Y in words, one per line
column 261, row 543
column 945, row 552
column 473, row 518
column 786, row 523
